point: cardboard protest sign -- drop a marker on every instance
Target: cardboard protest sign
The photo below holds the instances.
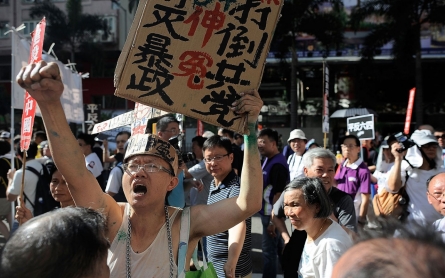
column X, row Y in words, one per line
column 195, row 57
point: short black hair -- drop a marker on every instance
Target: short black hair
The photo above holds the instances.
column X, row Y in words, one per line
column 122, row 133
column 270, row 133
column 40, row 134
column 314, row 193
column 87, row 138
column 350, row 136
column 5, row 147
column 199, row 140
column 237, row 136
column 163, row 122
column 218, row 141
column 68, row 242
column 31, row 152
column 227, row 132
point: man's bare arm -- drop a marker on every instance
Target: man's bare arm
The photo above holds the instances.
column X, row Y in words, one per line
column 395, row 177
column 234, row 210
column 43, row 82
column 237, row 235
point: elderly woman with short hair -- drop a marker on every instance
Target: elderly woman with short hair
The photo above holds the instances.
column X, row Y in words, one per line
column 307, row 205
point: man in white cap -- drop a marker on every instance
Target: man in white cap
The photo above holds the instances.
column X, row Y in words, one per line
column 297, row 141
column 412, row 168
column 148, row 238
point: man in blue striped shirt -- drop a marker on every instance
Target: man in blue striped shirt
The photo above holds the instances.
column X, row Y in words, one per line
column 229, row 251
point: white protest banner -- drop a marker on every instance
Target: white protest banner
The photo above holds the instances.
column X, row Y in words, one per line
column 195, row 57
column 72, row 99
column 137, row 118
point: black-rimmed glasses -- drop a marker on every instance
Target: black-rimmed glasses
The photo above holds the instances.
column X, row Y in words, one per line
column 217, row 158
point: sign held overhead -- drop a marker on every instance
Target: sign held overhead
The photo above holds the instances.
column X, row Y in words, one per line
column 195, row 57
column 362, row 126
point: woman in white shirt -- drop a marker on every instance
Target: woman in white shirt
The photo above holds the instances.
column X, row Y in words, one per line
column 307, row 205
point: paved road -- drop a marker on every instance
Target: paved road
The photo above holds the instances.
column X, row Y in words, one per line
column 257, row 234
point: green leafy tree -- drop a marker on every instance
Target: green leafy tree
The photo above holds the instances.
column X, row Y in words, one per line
column 304, row 16
column 70, row 29
column 403, row 21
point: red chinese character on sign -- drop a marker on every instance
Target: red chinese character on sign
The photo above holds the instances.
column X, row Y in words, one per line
column 27, row 124
column 194, row 19
column 194, row 64
column 28, row 105
column 212, row 20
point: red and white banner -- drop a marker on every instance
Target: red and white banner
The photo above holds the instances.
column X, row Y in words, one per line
column 200, row 129
column 29, row 106
column 409, row 110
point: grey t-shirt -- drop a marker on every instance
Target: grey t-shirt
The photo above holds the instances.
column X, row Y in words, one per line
column 199, row 172
column 343, row 209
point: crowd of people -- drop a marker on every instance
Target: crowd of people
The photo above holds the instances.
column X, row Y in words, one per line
column 147, row 217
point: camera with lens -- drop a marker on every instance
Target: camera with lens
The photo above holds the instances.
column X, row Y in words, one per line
column 182, row 156
column 405, row 141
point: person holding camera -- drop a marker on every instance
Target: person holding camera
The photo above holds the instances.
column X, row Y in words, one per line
column 416, row 160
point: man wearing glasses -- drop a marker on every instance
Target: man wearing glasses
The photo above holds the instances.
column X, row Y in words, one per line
column 440, row 136
column 145, row 233
column 435, row 192
column 230, row 250
column 354, row 177
column 412, row 168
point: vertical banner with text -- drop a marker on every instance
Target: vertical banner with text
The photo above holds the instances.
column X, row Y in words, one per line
column 29, row 106
column 409, row 111
column 92, row 116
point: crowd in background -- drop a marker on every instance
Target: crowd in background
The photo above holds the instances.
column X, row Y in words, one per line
column 337, row 190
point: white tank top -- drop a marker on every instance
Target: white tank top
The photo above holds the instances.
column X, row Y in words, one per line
column 153, row 262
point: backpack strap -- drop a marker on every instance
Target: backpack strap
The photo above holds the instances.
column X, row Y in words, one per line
column 183, row 241
column 7, row 161
column 37, row 173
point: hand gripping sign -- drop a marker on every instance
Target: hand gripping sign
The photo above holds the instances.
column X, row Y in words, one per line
column 29, row 106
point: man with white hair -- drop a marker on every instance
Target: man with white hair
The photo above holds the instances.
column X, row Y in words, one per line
column 297, row 141
column 412, row 168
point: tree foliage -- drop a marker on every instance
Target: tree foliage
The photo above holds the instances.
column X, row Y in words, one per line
column 304, row 16
column 402, row 22
column 70, row 29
